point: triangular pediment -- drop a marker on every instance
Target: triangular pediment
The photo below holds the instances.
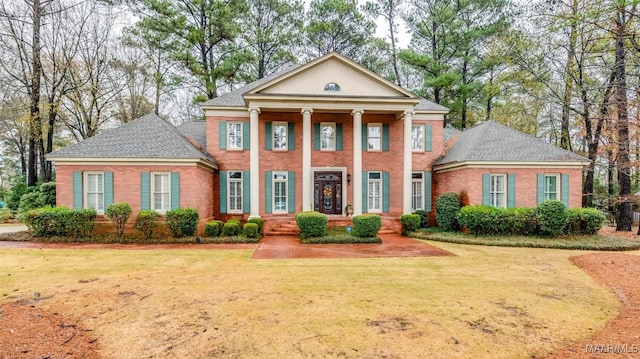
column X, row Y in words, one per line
column 332, row 75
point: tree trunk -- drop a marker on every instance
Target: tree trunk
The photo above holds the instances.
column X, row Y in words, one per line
column 565, row 138
column 35, row 126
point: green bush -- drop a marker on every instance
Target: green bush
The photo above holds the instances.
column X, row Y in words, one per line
column 146, row 222
column 410, row 222
column 213, row 228
column 230, row 229
column 312, row 224
column 29, row 201
column 552, row 218
column 366, row 225
column 478, row 219
column 5, row 215
column 183, row 222
column 584, row 221
column 118, row 214
column 81, row 222
column 424, row 218
column 47, row 193
column 234, row 220
column 250, row 230
column 17, row 190
column 447, row 208
column 60, row 221
column 259, row 222
column 526, row 220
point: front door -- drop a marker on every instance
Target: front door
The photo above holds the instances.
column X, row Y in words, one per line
column 327, row 188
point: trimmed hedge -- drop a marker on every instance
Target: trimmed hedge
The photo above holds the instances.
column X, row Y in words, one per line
column 60, row 221
column 250, row 230
column 146, row 222
column 312, row 224
column 118, row 214
column 552, row 218
column 259, row 222
column 213, row 228
column 231, row 228
column 410, row 222
column 447, row 208
column 183, row 222
column 366, row 225
column 424, row 218
column 584, row 220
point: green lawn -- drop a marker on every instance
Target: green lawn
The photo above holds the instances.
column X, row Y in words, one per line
column 486, row 302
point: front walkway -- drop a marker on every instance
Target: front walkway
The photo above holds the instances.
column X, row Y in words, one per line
column 393, row 245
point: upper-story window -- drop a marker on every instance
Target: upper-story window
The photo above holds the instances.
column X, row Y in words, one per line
column 234, row 133
column 328, row 136
column 374, row 136
column 332, row 86
column 280, row 140
column 417, row 137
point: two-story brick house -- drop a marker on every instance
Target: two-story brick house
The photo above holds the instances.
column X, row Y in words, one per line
column 318, row 136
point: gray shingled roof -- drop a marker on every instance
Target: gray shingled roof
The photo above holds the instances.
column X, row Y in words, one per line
column 449, row 132
column 147, row 137
column 195, row 130
column 493, row 142
column 426, row 105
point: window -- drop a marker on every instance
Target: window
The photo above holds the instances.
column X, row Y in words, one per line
column 332, row 87
column 417, row 189
column 234, row 198
column 94, row 191
column 551, row 187
column 374, row 191
column 234, row 132
column 279, row 192
column 160, row 192
column 328, row 136
column 417, row 137
column 498, row 192
column 280, row 136
column 374, row 136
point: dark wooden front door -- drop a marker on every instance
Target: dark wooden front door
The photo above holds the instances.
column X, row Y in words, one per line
column 327, row 187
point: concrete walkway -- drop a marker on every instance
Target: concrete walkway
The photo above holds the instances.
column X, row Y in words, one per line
column 12, row 228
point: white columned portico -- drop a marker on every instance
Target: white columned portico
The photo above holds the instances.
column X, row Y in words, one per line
column 357, row 161
column 254, row 162
column 307, row 181
column 407, row 163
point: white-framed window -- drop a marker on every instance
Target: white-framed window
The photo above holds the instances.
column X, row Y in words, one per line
column 234, row 184
column 328, row 136
column 280, row 140
column 94, row 191
column 160, row 191
column 234, row 135
column 498, row 192
column 374, row 192
column 417, row 191
column 280, row 192
column 417, row 137
column 374, row 137
column 551, row 187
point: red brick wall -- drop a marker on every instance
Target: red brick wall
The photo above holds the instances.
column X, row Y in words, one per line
column 468, row 184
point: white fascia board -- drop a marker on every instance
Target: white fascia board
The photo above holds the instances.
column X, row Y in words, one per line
column 186, row 162
column 483, row 164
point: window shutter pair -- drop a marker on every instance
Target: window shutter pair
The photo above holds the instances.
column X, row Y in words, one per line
column 511, row 189
column 268, row 136
column 291, row 192
column 222, row 139
column 385, row 137
column 78, row 193
column 145, row 190
column 316, row 136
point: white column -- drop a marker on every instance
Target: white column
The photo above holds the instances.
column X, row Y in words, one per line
column 356, row 178
column 407, row 163
column 254, row 162
column 307, row 181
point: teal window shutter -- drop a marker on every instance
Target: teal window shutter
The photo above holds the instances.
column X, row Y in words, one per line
column 486, row 189
column 145, row 196
column 175, row 190
column 427, row 191
column 316, row 136
column 385, row 137
column 268, row 136
column 338, row 137
column 77, row 190
column 385, row 192
column 291, row 191
column 223, row 135
column 291, row 136
column 565, row 189
column 511, row 190
column 245, row 136
column 365, row 137
column 540, row 185
column 223, row 191
column 246, row 191
column 108, row 189
column 268, row 191
column 365, row 191
column 427, row 137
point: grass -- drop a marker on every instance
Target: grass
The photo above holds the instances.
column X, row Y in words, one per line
column 127, row 239
column 486, row 302
column 339, row 235
column 582, row 242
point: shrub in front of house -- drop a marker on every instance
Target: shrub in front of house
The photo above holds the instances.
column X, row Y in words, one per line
column 118, row 214
column 213, row 228
column 182, row 222
column 28, row 201
column 312, row 224
column 410, row 222
column 259, row 222
column 424, row 218
column 250, row 230
column 552, row 218
column 478, row 219
column 231, row 228
column 81, row 222
column 47, row 194
column 525, row 220
column 366, row 225
column 584, row 221
column 60, row 221
column 447, row 208
column 146, row 222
